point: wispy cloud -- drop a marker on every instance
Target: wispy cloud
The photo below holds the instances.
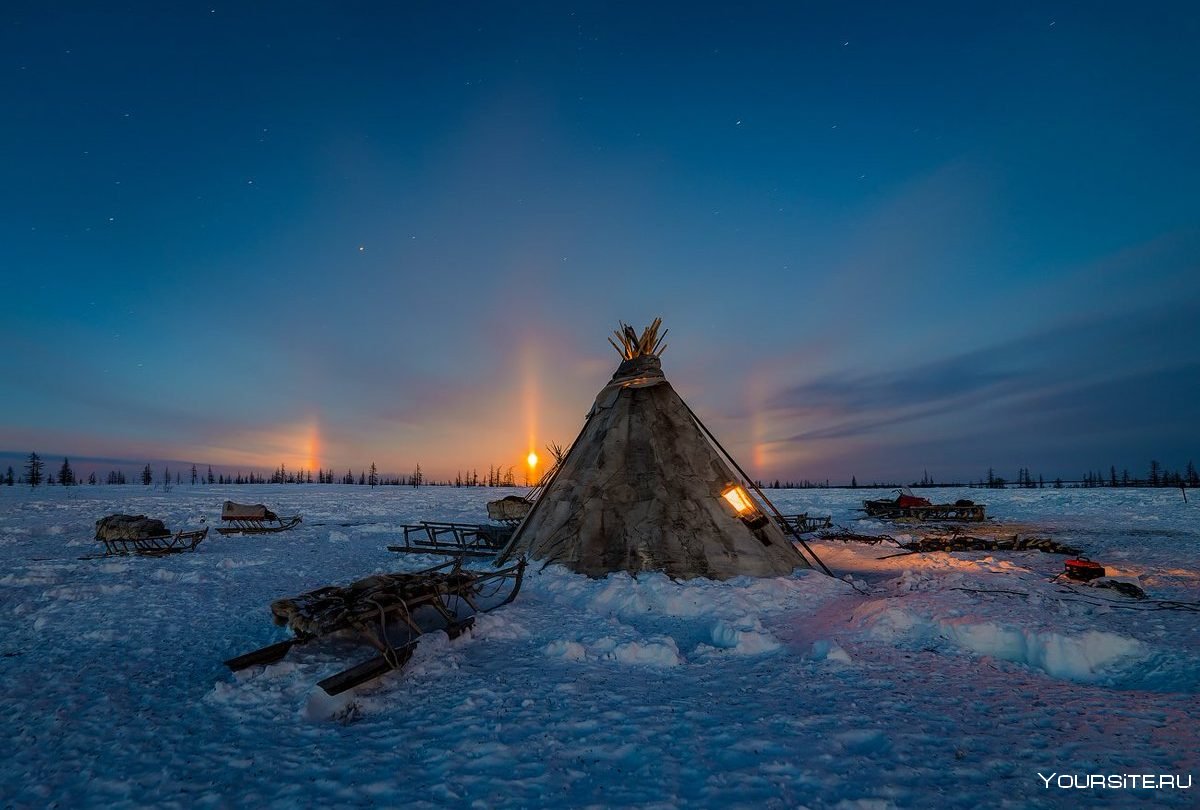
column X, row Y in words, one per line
column 1080, row 384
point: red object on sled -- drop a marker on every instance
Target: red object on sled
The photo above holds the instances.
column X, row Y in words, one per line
column 904, row 501
column 1084, row 570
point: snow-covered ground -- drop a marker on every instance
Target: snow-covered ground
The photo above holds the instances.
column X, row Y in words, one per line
column 617, row 692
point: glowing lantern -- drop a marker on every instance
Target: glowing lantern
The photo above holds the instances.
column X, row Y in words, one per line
column 746, row 509
column 739, row 500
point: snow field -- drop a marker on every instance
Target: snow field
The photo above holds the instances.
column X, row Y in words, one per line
column 626, row 691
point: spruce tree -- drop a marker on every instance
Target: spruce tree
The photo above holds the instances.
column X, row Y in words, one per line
column 33, row 470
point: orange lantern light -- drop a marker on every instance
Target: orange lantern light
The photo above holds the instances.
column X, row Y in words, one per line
column 739, row 500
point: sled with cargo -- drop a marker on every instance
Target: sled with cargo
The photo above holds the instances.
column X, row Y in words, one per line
column 511, row 509
column 454, row 539
column 138, row 534
column 244, row 518
column 388, row 613
column 907, row 505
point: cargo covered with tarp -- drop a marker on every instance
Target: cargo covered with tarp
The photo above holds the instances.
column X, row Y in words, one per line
column 253, row 518
column 255, row 511
column 129, row 527
column 509, row 509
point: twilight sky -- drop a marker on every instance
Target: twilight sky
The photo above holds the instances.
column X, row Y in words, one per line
column 885, row 237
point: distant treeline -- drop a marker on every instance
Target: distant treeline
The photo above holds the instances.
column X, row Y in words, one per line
column 1158, row 476
column 35, row 474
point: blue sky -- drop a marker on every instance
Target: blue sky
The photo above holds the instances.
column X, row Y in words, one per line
column 885, row 237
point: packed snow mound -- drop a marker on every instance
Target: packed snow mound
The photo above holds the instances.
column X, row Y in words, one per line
column 1085, row 656
column 825, row 650
column 660, row 652
column 1081, row 657
column 655, row 621
column 655, row 652
column 625, row 596
column 745, row 640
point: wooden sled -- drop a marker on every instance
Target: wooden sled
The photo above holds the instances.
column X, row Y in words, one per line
column 389, row 612
column 456, row 539
column 907, row 505
column 156, row 546
column 253, row 519
column 803, row 524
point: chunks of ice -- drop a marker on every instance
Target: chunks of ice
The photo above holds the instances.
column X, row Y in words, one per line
column 742, row 639
column 1076, row 656
column 824, row 650
column 659, row 652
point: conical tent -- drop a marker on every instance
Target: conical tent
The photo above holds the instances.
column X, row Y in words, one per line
column 643, row 489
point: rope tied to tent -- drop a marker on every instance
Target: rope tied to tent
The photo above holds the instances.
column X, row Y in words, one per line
column 750, row 482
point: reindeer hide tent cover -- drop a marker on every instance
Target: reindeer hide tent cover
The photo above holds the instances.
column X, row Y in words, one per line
column 641, row 489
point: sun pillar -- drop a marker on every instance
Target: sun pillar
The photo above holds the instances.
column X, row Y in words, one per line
column 756, row 400
column 530, row 399
column 313, row 451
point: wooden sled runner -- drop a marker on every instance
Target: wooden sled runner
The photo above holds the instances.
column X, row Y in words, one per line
column 158, row 546
column 389, row 612
column 803, row 524
column 456, row 539
column 240, row 518
column 137, row 534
